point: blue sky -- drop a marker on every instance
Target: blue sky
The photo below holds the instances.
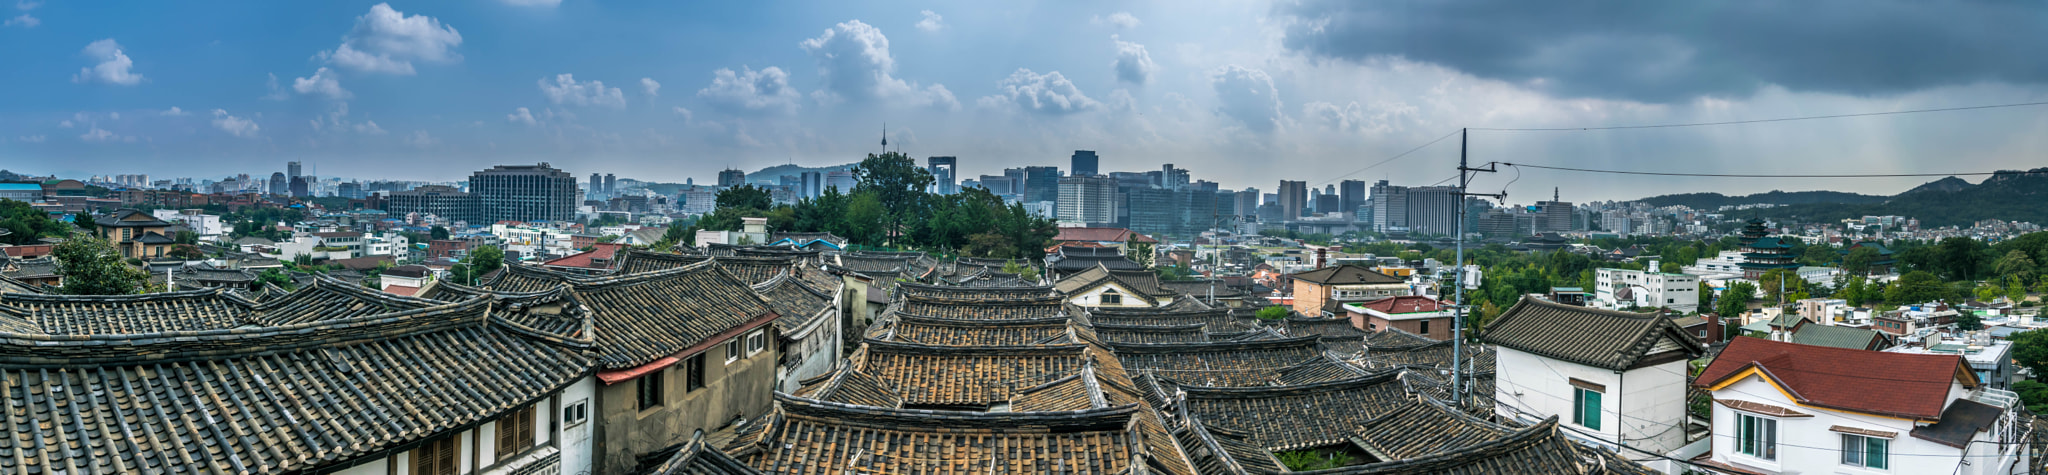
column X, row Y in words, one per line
column 1243, row 93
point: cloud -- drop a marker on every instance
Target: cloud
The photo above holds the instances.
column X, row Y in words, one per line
column 277, row 92
column 324, row 82
column 97, row 134
column 749, row 91
column 113, row 67
column 173, row 111
column 24, row 20
column 421, row 139
column 369, row 127
column 1247, row 96
column 386, row 41
column 1380, row 117
column 1133, row 64
column 235, row 126
column 648, row 84
column 521, row 116
column 64, row 123
column 687, row 116
column 932, row 21
column 1677, row 52
column 114, row 115
column 1049, row 93
column 854, row 61
column 1122, row 20
column 25, row 5
column 32, row 138
column 533, row 3
column 566, row 90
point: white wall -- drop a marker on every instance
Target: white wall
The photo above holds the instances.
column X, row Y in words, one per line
column 1093, row 297
column 1805, row 445
column 576, row 440
column 1531, row 388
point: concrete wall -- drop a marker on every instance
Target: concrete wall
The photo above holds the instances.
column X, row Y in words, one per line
column 1805, row 445
column 1093, row 298
column 1439, row 327
column 819, row 348
column 741, row 387
column 1643, row 407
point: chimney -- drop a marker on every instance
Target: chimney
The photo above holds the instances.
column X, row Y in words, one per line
column 1322, row 256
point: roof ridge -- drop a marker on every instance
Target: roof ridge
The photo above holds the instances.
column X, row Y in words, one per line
column 173, row 346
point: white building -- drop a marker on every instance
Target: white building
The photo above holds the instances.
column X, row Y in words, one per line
column 1784, row 408
column 1726, row 263
column 1611, row 378
column 205, row 225
column 1622, row 289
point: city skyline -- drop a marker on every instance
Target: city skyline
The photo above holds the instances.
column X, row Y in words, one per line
column 429, row 92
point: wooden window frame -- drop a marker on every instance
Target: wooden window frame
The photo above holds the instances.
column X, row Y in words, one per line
column 1112, row 297
column 438, row 457
column 648, row 391
column 694, row 376
column 757, row 342
column 515, row 433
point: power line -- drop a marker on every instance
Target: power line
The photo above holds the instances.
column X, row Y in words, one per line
column 1739, row 175
column 1389, row 159
column 1759, row 121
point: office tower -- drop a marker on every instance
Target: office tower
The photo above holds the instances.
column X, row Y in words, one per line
column 1001, row 185
column 350, row 190
column 1039, row 183
column 943, row 170
column 279, row 185
column 1087, row 200
column 1326, row 203
column 293, row 167
column 442, row 201
column 1350, row 195
column 298, row 187
column 1247, row 202
column 1085, row 163
column 1433, row 210
column 1205, row 185
column 730, row 178
column 1127, row 180
column 1293, row 199
column 596, row 188
column 813, row 184
column 1172, row 178
column 1389, row 207
column 841, row 179
column 611, row 185
column 524, row 193
column 1557, row 214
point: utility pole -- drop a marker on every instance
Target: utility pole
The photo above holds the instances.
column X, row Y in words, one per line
column 1458, row 371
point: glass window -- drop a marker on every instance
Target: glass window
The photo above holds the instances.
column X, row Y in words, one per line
column 576, row 412
column 1586, row 408
column 1425, row 327
column 695, row 379
column 650, row 390
column 1756, row 436
column 1110, row 297
column 1866, row 452
column 732, row 350
column 756, row 342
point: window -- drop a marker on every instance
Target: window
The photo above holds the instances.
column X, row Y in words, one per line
column 576, row 412
column 756, row 342
column 515, row 433
column 732, row 350
column 1110, row 297
column 695, row 379
column 1756, row 436
column 436, row 457
column 650, row 390
column 1866, row 452
column 1586, row 407
column 1425, row 327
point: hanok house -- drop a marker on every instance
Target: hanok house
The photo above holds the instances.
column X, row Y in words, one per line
column 1791, row 408
column 121, row 385
column 1410, row 313
column 1612, row 377
column 810, row 327
column 135, row 233
column 1322, row 292
column 1103, row 287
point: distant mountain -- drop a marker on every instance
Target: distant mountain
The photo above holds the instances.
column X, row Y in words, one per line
column 2008, row 195
column 773, row 173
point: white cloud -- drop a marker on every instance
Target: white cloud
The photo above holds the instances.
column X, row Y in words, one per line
column 324, row 82
column 369, row 127
column 1248, row 96
column 853, row 59
column 750, row 91
column 1133, row 64
column 533, row 3
column 64, row 123
column 521, row 116
column 277, row 92
column 421, row 139
column 1122, row 20
column 687, row 116
column 113, row 67
column 32, row 138
column 648, row 84
column 931, row 22
column 566, row 90
column 1049, row 93
column 235, row 126
column 25, row 20
column 97, row 134
column 1380, row 117
column 114, row 115
column 386, row 41
column 173, row 111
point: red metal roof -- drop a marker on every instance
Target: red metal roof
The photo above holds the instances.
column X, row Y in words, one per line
column 1404, row 304
column 1871, row 382
column 606, row 251
column 1101, row 234
column 408, row 291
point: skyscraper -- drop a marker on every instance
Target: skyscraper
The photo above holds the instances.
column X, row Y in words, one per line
column 299, row 187
column 1085, row 163
column 1433, row 210
column 944, row 171
column 611, row 185
column 1350, row 195
column 1558, row 214
column 841, row 179
column 596, row 187
column 441, row 201
column 293, row 169
column 1248, row 202
column 813, row 184
column 730, row 178
column 1293, row 199
column 1389, row 207
column 1172, row 178
column 524, row 193
column 1039, row 183
column 1087, row 200
column 279, row 185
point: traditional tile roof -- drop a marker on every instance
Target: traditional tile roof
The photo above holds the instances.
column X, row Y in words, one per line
column 1433, row 355
column 1218, row 363
column 1346, row 274
column 1101, row 235
column 1202, row 288
column 1916, row 386
column 850, row 386
column 1214, row 321
column 982, row 293
column 644, row 317
column 696, row 457
column 268, row 400
column 331, row 299
column 1838, row 336
column 125, row 218
column 995, row 280
column 1435, row 385
column 929, row 375
column 1141, row 284
column 1403, row 304
column 1423, row 428
column 8, row 285
column 796, row 302
column 756, row 270
column 635, row 261
column 1395, row 337
column 1599, row 338
column 1190, row 333
column 1539, row 448
column 983, row 309
column 864, row 263
column 1085, row 389
column 1319, row 370
column 1336, row 332
column 195, row 310
column 805, row 239
column 950, row 332
column 1067, row 264
column 1216, row 450
column 41, row 267
column 1299, row 416
column 810, row 436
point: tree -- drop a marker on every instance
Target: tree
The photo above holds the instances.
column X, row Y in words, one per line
column 744, row 201
column 438, row 233
column 186, row 252
column 1961, row 257
column 2016, row 265
column 185, row 237
column 276, row 277
column 25, row 224
column 1854, row 291
column 2030, row 349
column 486, row 259
column 91, row 266
column 1670, row 268
column 1818, row 255
column 1275, row 312
column 1858, row 261
column 895, row 180
column 1735, row 300
column 677, row 234
column 1969, row 322
column 1915, row 287
column 2033, row 394
column 1794, row 286
column 1139, row 252
column 1706, row 297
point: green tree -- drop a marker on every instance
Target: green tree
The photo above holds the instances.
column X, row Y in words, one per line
column 2017, row 265
column 1818, row 255
column 1915, row 287
column 2030, row 349
column 676, row 234
column 25, row 224
column 91, row 266
column 438, row 233
column 1854, row 291
column 185, row 237
column 1969, row 322
column 1961, row 257
column 864, row 219
column 486, row 258
column 895, row 180
column 744, row 201
column 2033, row 394
column 1859, row 260
column 1139, row 252
column 186, row 252
column 1735, row 300
column 1794, row 286
column 277, row 277
column 1275, row 312
column 1670, row 268
column 1706, row 297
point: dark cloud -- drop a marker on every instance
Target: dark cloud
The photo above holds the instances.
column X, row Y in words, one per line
column 1674, row 51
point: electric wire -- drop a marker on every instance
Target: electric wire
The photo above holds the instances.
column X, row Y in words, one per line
column 1390, row 159
column 1758, row 121
column 1759, row 175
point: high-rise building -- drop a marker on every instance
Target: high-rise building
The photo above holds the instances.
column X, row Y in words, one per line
column 813, row 184
column 730, row 178
column 944, row 171
column 1327, row 203
column 299, row 187
column 1351, row 195
column 1557, row 214
column 1087, row 200
column 293, row 169
column 841, row 179
column 350, row 190
column 1293, row 199
column 1001, row 185
column 442, row 201
column 1172, row 178
column 1389, row 207
column 1085, row 163
column 1433, row 210
column 279, row 185
column 524, row 193
column 1247, row 202
column 596, row 188
column 1040, row 183
column 611, row 185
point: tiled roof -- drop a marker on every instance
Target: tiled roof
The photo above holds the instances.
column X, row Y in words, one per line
column 851, row 387
column 1073, row 263
column 1435, row 355
column 756, row 270
column 930, row 375
column 1395, row 337
column 796, row 302
column 1190, row 333
column 1319, row 370
column 1215, row 450
column 950, row 332
column 524, row 279
column 1346, row 274
column 1436, row 386
column 600, row 256
column 1101, row 234
column 1419, row 429
column 977, row 293
column 31, row 268
column 635, row 261
column 810, row 436
column 1300, row 416
column 1403, row 304
column 1218, row 363
column 1539, row 448
column 644, row 317
column 1215, row 321
column 1201, row 289
column 331, row 299
column 129, row 218
column 1085, row 389
column 267, row 400
column 196, row 310
column 8, row 285
column 1916, row 386
column 1599, row 338
column 698, row 458
column 1836, row 336
column 1144, row 284
column 1328, row 328
column 984, row 309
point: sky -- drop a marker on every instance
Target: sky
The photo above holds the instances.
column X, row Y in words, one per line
column 1244, row 93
